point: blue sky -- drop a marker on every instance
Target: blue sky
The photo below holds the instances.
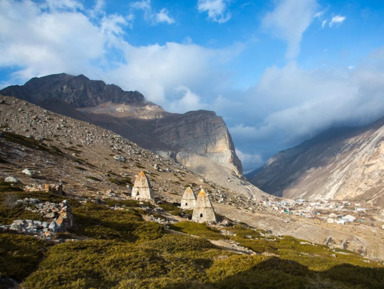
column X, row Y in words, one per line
column 277, row 71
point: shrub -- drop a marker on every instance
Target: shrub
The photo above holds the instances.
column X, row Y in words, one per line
column 173, row 243
column 20, row 255
column 100, row 222
column 198, row 229
column 121, row 181
column 171, row 208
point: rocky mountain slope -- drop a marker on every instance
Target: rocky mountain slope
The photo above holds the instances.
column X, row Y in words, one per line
column 199, row 139
column 343, row 163
column 87, row 158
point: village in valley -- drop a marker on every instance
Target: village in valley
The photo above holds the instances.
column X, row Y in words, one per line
column 327, row 211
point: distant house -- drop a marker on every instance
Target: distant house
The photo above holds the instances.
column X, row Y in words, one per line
column 348, row 218
column 332, row 215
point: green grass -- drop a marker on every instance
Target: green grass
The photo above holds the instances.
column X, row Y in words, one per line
column 20, row 255
column 121, row 181
column 32, row 143
column 100, row 222
column 93, row 178
column 171, row 208
column 124, row 251
column 197, row 229
column 314, row 257
column 9, row 211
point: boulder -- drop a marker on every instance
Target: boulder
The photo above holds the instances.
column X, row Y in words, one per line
column 11, row 179
column 27, row 172
column 119, row 158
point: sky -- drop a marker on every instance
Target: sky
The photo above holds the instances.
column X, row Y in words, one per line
column 277, row 71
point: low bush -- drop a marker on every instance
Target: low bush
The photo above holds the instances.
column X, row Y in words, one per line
column 171, row 208
column 100, row 222
column 20, row 255
column 198, row 229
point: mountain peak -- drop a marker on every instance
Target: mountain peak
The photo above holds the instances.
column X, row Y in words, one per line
column 77, row 91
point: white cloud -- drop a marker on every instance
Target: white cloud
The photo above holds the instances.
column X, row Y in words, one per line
column 187, row 101
column 41, row 42
column 216, row 10
column 289, row 20
column 142, row 5
column 290, row 104
column 158, row 70
column 64, row 4
column 323, row 23
column 152, row 16
column 249, row 161
column 338, row 19
column 163, row 17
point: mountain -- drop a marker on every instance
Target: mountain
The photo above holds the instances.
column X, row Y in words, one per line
column 77, row 91
column 198, row 139
column 341, row 163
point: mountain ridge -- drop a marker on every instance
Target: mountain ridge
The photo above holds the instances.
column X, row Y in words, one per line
column 340, row 163
column 199, row 140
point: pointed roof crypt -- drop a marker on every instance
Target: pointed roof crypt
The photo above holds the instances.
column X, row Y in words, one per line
column 203, row 211
column 142, row 188
column 188, row 201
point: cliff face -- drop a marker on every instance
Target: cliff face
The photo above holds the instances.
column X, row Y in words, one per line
column 202, row 133
column 338, row 164
column 181, row 136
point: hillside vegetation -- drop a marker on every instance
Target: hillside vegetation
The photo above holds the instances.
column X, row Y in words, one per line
column 110, row 248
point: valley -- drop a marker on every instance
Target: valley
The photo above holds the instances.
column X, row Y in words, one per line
column 97, row 168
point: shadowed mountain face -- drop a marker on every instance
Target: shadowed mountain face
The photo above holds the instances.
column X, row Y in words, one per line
column 77, row 91
column 342, row 163
column 185, row 137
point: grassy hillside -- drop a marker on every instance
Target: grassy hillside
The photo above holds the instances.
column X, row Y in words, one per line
column 119, row 249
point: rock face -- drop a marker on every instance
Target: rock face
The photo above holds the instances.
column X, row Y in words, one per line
column 339, row 164
column 142, row 188
column 199, row 139
column 203, row 211
column 201, row 133
column 188, row 200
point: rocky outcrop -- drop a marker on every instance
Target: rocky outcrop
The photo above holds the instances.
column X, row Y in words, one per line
column 58, row 218
column 200, row 133
column 342, row 163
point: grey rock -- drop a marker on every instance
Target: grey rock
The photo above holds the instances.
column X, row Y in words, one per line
column 27, row 172
column 11, row 179
column 53, row 227
column 119, row 158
